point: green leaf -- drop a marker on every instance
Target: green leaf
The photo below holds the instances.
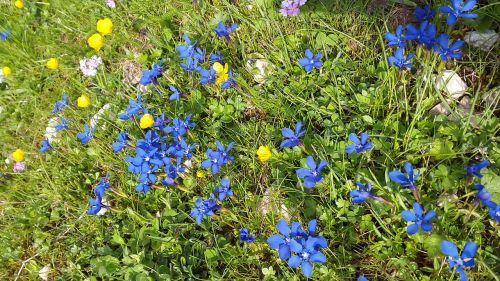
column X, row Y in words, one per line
column 433, row 245
column 441, row 149
column 491, row 183
column 105, row 266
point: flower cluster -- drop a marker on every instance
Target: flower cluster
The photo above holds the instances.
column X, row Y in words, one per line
column 299, row 247
column 425, row 34
column 291, row 7
column 219, row 73
column 162, row 150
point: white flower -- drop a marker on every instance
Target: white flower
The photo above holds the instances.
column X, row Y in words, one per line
column 111, row 3
column 89, row 66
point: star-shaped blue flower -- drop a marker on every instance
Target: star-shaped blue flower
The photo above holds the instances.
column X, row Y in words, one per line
column 419, row 219
column 359, row 145
column 311, row 175
column 309, row 62
column 458, row 9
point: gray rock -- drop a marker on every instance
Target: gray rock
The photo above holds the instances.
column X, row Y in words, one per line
column 485, row 40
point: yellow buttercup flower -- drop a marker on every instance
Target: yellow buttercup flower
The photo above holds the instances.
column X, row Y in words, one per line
column 19, row 4
column 222, row 72
column 6, row 71
column 146, row 121
column 53, row 63
column 96, row 41
column 104, row 26
column 264, row 153
column 18, row 155
column 200, row 174
column 83, row 101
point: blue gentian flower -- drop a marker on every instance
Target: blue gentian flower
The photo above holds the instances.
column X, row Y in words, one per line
column 199, row 54
column 311, row 175
column 121, row 142
column 362, row 278
column 176, row 94
column 397, row 39
column 185, row 149
column 225, row 32
column 224, row 152
column 178, row 128
column 494, row 210
column 307, row 254
column 445, row 50
column 204, row 208
column 207, row 76
column 310, row 61
column 245, row 236
column 458, row 9
column 160, row 121
column 134, row 107
column 406, row 181
column 190, row 65
column 399, row 61
column 425, row 34
column 291, row 137
column 186, row 51
column 95, row 206
column 172, row 171
column 419, row 219
column 424, row 14
column 151, row 140
column 101, row 187
column 482, row 195
column 150, row 76
column 359, row 145
column 63, row 125
column 283, row 240
column 143, row 186
column 311, row 231
column 475, row 169
column 363, row 193
column 45, row 146
column 213, row 162
column 60, row 104
column 459, row 262
column 229, row 82
column 87, row 135
column 223, row 189
column 217, row 57
column 4, row 35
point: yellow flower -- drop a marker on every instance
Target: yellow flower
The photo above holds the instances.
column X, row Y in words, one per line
column 200, row 174
column 264, row 153
column 53, row 63
column 19, row 4
column 222, row 72
column 96, row 41
column 104, row 26
column 146, row 121
column 18, row 155
column 83, row 101
column 6, row 70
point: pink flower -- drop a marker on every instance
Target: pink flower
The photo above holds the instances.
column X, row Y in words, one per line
column 111, row 3
column 19, row 166
column 291, row 7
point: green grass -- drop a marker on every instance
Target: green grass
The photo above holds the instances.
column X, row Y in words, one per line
column 43, row 217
